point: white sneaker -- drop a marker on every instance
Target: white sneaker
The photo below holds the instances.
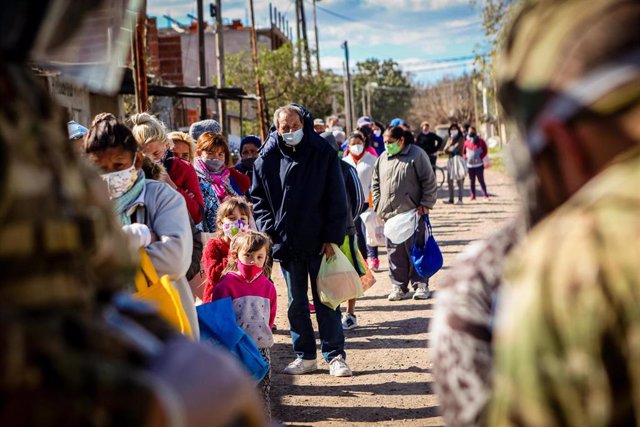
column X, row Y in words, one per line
column 397, row 295
column 301, row 366
column 339, row 368
column 349, row 321
column 422, row 292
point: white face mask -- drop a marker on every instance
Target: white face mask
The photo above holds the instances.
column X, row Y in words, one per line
column 357, row 149
column 293, row 138
column 120, row 182
column 377, row 132
column 454, row 134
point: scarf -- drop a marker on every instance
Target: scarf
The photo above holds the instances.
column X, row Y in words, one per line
column 355, row 158
column 218, row 180
column 123, row 202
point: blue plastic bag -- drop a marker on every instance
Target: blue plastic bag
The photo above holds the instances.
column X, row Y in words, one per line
column 427, row 260
column 218, row 326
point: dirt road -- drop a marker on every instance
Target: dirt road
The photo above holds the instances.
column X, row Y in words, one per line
column 389, row 351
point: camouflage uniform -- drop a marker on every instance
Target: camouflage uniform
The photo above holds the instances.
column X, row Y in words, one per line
column 567, row 334
column 569, row 326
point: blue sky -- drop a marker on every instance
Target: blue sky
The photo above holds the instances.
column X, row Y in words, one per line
column 428, row 38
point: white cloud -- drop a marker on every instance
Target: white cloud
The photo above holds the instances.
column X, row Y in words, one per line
column 412, row 5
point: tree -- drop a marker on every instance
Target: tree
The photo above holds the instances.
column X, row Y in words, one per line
column 280, row 82
column 390, row 88
column 449, row 100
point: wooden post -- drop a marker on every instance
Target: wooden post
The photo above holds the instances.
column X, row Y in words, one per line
column 315, row 30
column 222, row 105
column 139, row 63
column 254, row 51
column 201, row 58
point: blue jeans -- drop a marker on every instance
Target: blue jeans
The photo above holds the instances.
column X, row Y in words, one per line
column 297, row 274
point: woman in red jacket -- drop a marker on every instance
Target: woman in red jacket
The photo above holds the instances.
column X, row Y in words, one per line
column 152, row 138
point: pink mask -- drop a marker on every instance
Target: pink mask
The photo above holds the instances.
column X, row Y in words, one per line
column 250, row 272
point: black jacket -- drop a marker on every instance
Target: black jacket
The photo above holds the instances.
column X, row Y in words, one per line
column 310, row 207
column 430, row 143
column 355, row 196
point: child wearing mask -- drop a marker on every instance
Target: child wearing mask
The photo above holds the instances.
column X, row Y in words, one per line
column 254, row 296
column 233, row 217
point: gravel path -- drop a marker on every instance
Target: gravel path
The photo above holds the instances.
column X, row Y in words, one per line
column 389, row 351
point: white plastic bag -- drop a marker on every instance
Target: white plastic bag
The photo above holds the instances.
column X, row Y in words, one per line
column 401, row 227
column 338, row 281
column 457, row 168
column 374, row 227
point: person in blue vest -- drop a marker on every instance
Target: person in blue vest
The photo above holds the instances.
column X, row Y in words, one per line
column 299, row 200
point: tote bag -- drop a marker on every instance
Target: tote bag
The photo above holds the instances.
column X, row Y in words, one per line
column 160, row 292
column 427, row 259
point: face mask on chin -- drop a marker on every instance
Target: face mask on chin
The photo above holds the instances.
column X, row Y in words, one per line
column 118, row 183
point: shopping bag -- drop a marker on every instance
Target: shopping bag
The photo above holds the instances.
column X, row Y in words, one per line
column 486, row 162
column 427, row 259
column 160, row 292
column 457, row 168
column 218, row 326
column 368, row 280
column 337, row 280
column 401, row 227
column 374, row 228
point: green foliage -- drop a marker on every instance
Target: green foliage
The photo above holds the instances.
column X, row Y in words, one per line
column 392, row 96
column 280, row 82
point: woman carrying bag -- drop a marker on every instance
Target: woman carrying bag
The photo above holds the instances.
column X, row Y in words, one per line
column 456, row 167
column 403, row 182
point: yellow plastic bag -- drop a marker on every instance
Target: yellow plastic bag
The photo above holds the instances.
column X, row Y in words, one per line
column 160, row 292
column 338, row 281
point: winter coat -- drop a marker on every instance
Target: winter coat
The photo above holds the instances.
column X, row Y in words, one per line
column 307, row 205
column 355, row 197
column 474, row 151
column 214, row 261
column 403, row 182
column 184, row 177
column 454, row 146
column 430, row 143
column 365, row 170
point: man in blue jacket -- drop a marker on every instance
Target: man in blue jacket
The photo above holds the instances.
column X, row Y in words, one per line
column 300, row 202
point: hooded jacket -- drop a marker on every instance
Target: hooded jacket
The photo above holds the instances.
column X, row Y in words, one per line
column 307, row 206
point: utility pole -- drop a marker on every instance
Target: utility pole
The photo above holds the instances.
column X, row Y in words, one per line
column 139, row 50
column 298, row 41
column 349, row 90
column 259, row 92
column 222, row 106
column 203, row 68
column 303, row 20
column 315, row 31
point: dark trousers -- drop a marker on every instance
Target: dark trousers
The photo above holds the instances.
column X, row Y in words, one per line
column 297, row 273
column 401, row 269
column 474, row 173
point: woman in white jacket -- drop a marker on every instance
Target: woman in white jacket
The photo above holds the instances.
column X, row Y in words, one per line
column 360, row 158
column 153, row 215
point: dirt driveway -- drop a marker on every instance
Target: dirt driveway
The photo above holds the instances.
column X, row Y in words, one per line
column 389, row 351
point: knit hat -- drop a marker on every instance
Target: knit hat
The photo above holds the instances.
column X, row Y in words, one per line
column 563, row 57
column 364, row 121
column 397, row 122
column 76, row 130
column 198, row 128
column 250, row 139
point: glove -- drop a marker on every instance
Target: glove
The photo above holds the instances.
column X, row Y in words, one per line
column 139, row 235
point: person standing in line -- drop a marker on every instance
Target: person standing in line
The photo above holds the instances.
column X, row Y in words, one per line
column 156, row 145
column 249, row 147
column 254, row 297
column 429, row 142
column 364, row 163
column 474, row 152
column 403, row 181
column 152, row 214
column 300, row 202
column 184, row 147
column 453, row 148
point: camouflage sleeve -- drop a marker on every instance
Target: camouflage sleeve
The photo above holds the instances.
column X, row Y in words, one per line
column 568, row 341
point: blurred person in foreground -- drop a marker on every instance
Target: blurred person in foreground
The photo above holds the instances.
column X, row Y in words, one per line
column 566, row 340
column 77, row 351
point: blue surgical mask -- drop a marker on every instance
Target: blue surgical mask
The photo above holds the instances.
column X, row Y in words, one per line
column 293, row 138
